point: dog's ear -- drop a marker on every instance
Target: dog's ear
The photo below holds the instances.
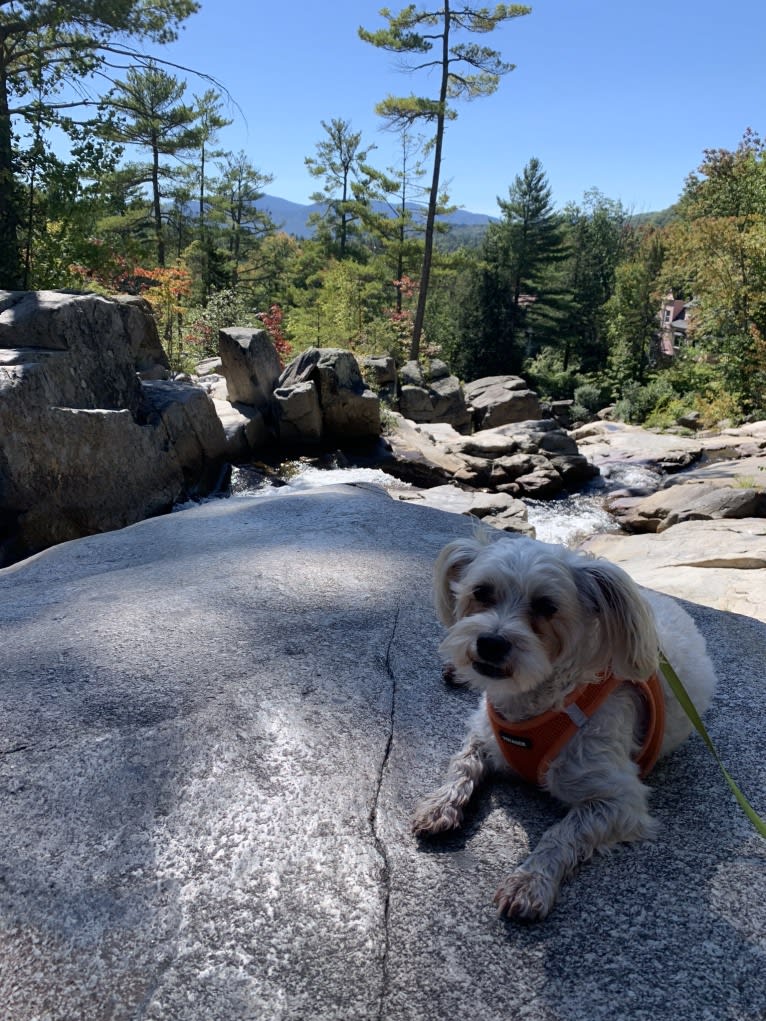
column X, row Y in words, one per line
column 629, row 642
column 450, row 564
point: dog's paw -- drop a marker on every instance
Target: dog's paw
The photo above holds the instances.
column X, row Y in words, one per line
column 435, row 815
column 526, row 896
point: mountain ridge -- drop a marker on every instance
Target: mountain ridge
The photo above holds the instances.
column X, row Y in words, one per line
column 292, row 216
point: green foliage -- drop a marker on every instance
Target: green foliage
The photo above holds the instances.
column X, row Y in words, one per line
column 47, row 46
column 222, row 309
column 590, row 397
column 717, row 248
column 151, row 115
column 515, row 297
column 547, row 374
column 349, row 187
column 632, row 323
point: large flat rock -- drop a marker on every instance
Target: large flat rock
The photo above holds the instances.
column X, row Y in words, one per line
column 215, row 726
column 719, row 563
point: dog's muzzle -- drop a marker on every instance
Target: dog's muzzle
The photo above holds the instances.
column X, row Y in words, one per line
column 492, row 650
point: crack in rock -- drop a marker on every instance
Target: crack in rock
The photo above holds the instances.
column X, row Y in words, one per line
column 380, row 846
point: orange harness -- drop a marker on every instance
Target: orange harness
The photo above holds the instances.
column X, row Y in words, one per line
column 530, row 746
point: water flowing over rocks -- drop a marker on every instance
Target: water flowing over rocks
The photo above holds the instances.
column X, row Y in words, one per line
column 215, row 726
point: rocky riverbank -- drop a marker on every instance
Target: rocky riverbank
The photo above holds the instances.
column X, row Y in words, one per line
column 701, row 535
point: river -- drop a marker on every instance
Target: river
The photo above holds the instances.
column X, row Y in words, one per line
column 566, row 520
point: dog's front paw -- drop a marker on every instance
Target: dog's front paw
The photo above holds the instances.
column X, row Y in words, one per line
column 436, row 814
column 527, row 896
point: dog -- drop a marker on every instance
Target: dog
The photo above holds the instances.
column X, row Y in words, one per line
column 549, row 634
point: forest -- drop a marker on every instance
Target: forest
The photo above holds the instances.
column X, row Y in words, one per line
column 146, row 201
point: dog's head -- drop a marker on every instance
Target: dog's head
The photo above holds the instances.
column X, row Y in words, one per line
column 522, row 612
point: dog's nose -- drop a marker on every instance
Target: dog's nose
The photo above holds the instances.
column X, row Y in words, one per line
column 492, row 648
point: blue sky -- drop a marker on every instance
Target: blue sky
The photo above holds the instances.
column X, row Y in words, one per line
column 617, row 95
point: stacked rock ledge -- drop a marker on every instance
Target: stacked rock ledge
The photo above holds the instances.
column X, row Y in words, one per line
column 91, row 438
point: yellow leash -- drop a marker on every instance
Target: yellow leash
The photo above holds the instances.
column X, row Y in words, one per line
column 687, row 705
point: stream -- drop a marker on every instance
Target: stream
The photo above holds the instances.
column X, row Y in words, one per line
column 566, row 520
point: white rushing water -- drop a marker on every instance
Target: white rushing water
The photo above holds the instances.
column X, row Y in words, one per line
column 566, row 520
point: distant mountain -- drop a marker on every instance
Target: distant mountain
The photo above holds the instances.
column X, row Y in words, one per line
column 292, row 217
column 659, row 218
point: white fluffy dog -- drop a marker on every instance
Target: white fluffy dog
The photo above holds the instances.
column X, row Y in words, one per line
column 540, row 629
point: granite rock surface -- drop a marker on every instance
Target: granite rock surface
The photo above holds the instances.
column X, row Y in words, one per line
column 215, row 726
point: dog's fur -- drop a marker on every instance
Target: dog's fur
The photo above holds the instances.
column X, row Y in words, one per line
column 547, row 620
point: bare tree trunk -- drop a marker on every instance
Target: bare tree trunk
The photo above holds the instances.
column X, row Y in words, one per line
column 433, row 198
column 156, row 204
column 10, row 256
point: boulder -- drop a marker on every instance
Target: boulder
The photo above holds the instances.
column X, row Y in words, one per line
column 298, row 413
column 381, row 369
column 215, row 825
column 536, row 459
column 194, row 433
column 415, row 403
column 716, row 563
column 350, row 410
column 694, row 499
column 411, row 374
column 440, row 400
column 84, row 445
column 497, row 509
column 717, row 503
column 437, row 369
column 244, row 428
column 420, row 456
column 608, row 442
column 69, row 472
column 500, row 400
column 250, row 363
column 208, row 367
column 70, row 350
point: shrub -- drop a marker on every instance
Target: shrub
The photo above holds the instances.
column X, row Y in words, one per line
column 545, row 372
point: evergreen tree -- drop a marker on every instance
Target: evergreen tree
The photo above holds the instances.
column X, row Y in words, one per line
column 45, row 45
column 599, row 236
column 151, row 115
column 417, row 33
column 234, row 201
column 348, row 185
column 515, row 295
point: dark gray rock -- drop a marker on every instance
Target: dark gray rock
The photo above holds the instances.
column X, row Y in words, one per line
column 215, row 727
column 501, row 400
column 380, row 369
column 250, row 363
column 411, row 374
column 84, row 445
column 349, row 408
column 439, row 401
column 298, row 413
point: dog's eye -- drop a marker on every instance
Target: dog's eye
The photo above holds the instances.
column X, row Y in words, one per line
column 484, row 594
column 543, row 607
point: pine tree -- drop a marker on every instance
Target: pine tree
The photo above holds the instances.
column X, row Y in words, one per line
column 417, row 33
column 516, row 294
column 348, row 185
column 63, row 43
column 151, row 115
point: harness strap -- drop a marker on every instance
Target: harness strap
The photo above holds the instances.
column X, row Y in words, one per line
column 530, row 746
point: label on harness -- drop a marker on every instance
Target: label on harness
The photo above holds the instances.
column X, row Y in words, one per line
column 519, row 742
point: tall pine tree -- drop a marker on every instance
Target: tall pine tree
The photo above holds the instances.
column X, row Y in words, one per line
column 465, row 70
column 515, row 298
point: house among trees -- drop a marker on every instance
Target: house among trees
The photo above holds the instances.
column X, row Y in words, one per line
column 674, row 320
